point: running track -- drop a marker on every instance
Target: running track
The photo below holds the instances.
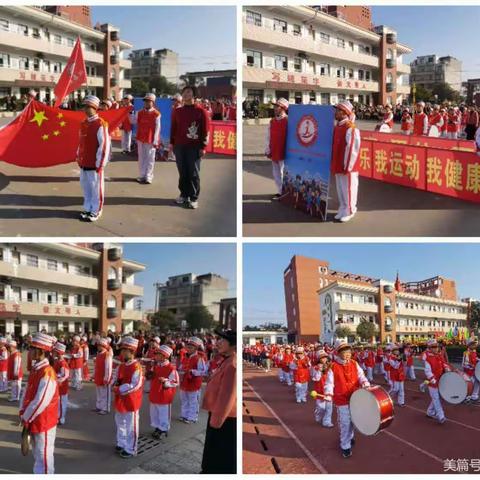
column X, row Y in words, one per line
column 281, row 436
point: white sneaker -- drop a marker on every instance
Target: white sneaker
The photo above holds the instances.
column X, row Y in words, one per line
column 338, row 216
column 180, row 200
column 347, row 218
column 193, row 205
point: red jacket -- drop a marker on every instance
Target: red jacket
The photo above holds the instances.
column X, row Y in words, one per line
column 63, row 373
column 147, row 127
column 301, row 374
column 191, row 382
column 103, row 368
column 190, row 126
column 161, row 393
column 277, row 139
column 3, row 360
column 76, row 362
column 319, row 385
column 435, row 367
column 129, row 388
column 285, row 362
column 420, row 124
column 346, row 381
column 89, row 146
column 345, row 148
column 369, row 359
column 14, row 366
column 397, row 372
column 406, row 122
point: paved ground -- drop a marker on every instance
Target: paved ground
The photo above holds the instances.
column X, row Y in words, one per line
column 46, row 201
column 281, row 436
column 85, row 443
column 384, row 210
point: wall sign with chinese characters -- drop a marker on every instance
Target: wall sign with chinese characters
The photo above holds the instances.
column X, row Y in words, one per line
column 289, row 80
column 63, row 310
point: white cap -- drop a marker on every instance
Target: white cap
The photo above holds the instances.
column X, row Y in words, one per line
column 108, row 103
column 92, row 101
column 128, row 96
column 282, row 102
column 346, row 106
column 299, row 350
column 130, row 343
column 59, row 348
column 432, row 343
column 195, row 341
column 178, row 97
column 32, row 93
column 43, row 341
column 150, row 96
column 165, row 350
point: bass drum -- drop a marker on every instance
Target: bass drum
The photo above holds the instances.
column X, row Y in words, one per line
column 434, row 131
column 477, row 371
column 371, row 410
column 453, row 387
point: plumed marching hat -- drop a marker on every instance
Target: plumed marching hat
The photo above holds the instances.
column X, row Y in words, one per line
column 92, row 101
column 282, row 102
column 164, row 350
column 59, row 348
column 104, row 342
column 195, row 341
column 345, row 106
column 321, row 354
column 341, row 345
column 129, row 343
column 43, row 341
column 11, row 343
column 150, row 96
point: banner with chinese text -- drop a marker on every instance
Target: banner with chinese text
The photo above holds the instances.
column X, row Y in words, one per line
column 307, row 160
column 223, row 138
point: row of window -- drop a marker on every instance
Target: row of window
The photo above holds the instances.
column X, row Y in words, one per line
column 32, row 295
column 279, row 25
column 351, row 298
column 416, row 322
column 429, row 307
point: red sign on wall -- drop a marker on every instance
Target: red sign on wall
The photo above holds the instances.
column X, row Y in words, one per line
column 223, row 138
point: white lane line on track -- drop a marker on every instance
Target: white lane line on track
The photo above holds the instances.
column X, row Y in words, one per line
column 449, row 420
column 418, row 391
column 305, row 450
column 421, row 450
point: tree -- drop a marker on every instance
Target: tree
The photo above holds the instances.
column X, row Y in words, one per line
column 343, row 332
column 444, row 93
column 188, row 80
column 271, row 326
column 423, row 93
column 199, row 317
column 162, row 86
column 165, row 321
column 366, row 330
column 139, row 87
column 474, row 315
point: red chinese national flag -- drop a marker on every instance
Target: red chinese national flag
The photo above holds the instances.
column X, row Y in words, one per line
column 73, row 77
column 43, row 136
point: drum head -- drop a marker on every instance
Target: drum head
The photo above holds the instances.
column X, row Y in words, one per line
column 452, row 388
column 385, row 129
column 434, row 132
column 477, row 371
column 365, row 412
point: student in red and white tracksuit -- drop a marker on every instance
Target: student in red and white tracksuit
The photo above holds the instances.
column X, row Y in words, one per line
column 126, row 126
column 420, row 120
column 76, row 363
column 128, row 391
column 444, row 114
column 148, row 138
column 192, row 369
column 409, row 368
column 149, row 362
column 435, row 367
column 14, row 371
column 3, row 365
column 86, row 356
column 369, row 362
column 276, row 142
column 344, row 165
column 92, row 156
column 300, row 367
column 469, row 363
column 162, row 392
column 62, row 371
column 323, row 408
column 397, row 375
column 407, row 122
column 452, row 124
column 436, row 120
column 39, row 411
column 102, row 376
column 285, row 361
column 338, row 389
column 388, row 118
column 379, row 361
column 386, row 366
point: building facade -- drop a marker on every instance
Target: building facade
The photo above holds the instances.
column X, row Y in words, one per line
column 260, row 336
column 148, row 63
column 67, row 287
column 472, row 91
column 214, row 83
column 312, row 54
column 227, row 318
column 397, row 314
column 36, row 43
column 182, row 292
column 428, row 70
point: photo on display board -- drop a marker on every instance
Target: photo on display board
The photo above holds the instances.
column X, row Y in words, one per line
column 117, row 121
column 125, row 353
column 360, row 358
column 354, row 115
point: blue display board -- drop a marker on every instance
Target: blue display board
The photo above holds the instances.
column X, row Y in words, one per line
column 307, row 160
column 164, row 106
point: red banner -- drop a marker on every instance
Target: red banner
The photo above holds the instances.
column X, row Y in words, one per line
column 223, row 138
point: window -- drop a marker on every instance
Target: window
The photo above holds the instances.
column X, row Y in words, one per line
column 2, row 291
column 46, row 66
column 32, row 295
column 297, row 30
column 350, row 73
column 52, row 264
column 86, row 300
column 325, row 69
column 325, row 98
column 22, row 29
column 36, row 64
column 32, row 260
column 340, row 42
column 351, row 46
column 4, row 60
column 324, row 37
column 52, row 297
column 4, row 24
column 367, row 76
column 360, row 75
column 254, row 58
column 281, row 62
column 297, row 64
column 312, row 67
column 24, row 63
column 280, row 25
column 57, row 67
column 35, row 32
column 65, row 266
column 254, row 18
column 64, row 298
column 70, row 42
column 341, row 71
column 78, row 299
column 57, row 39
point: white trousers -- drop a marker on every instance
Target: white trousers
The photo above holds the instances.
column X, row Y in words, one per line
column 476, row 389
column 3, row 382
column 126, row 140
column 379, row 368
column 410, row 372
column 345, row 426
column 323, row 412
column 76, row 383
column 347, row 192
column 399, row 390
column 43, row 445
column 15, row 388
column 62, row 408
column 452, row 135
column 93, row 188
column 301, row 391
column 277, row 170
column 281, row 376
column 147, row 386
column 370, row 374
column 190, row 404
column 406, row 132
column 146, row 160
column 160, row 416
column 435, row 407
column 103, row 398
column 127, row 431
column 287, row 377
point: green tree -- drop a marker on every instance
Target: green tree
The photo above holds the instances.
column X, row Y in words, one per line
column 271, row 326
column 366, row 330
column 162, row 86
column 199, row 317
column 139, row 87
column 444, row 93
column 187, row 80
column 423, row 93
column 165, row 321
column 474, row 316
column 343, row 332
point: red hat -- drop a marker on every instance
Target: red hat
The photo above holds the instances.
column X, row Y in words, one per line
column 43, row 341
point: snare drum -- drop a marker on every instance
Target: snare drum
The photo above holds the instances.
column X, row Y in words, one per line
column 477, row 371
column 384, row 128
column 433, row 131
column 453, row 387
column 371, row 410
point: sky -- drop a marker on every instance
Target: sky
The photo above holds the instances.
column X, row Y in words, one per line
column 166, row 259
column 204, row 37
column 441, row 30
column 263, row 295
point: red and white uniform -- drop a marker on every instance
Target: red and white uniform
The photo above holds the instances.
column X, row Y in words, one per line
column 39, row 413
column 126, row 128
column 323, row 408
column 397, row 376
column 3, row 368
column 15, row 375
column 149, row 362
column 469, row 363
column 379, row 361
column 344, row 165
column 192, row 369
column 369, row 362
column 86, row 356
column 453, row 125
column 128, row 400
column 275, row 148
column 285, row 360
column 63, row 374
column 301, row 376
column 343, row 379
column 102, row 377
column 436, row 119
column 92, row 157
column 407, row 123
column 76, row 366
column 435, row 367
column 409, row 368
column 420, row 124
column 388, row 119
column 162, row 394
column 386, row 367
column 148, row 123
